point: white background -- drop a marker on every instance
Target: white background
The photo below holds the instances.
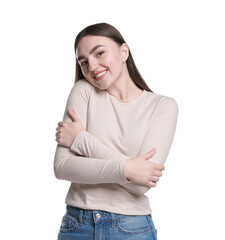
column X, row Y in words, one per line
column 178, row 47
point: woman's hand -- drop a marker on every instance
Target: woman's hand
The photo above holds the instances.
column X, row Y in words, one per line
column 67, row 131
column 143, row 172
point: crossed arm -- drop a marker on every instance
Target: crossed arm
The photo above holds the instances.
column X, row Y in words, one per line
column 89, row 146
column 88, row 160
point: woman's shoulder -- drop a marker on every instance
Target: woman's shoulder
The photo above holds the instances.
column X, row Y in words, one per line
column 83, row 83
column 82, row 86
column 162, row 101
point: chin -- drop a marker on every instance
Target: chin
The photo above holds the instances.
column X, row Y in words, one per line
column 104, row 85
column 101, row 87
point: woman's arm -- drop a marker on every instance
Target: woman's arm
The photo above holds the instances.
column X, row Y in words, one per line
column 159, row 135
column 79, row 169
column 72, row 167
column 68, row 165
column 144, row 171
column 161, row 132
column 64, row 157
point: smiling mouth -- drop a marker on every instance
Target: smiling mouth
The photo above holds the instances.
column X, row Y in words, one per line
column 100, row 75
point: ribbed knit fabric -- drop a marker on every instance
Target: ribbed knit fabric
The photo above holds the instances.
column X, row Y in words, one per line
column 115, row 131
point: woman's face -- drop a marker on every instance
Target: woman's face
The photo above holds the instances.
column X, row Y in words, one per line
column 102, row 60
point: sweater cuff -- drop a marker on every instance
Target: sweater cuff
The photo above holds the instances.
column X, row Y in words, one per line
column 79, row 137
column 123, row 179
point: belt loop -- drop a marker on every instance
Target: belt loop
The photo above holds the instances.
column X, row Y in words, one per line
column 112, row 220
column 80, row 217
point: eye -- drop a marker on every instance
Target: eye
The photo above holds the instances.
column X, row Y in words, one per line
column 83, row 64
column 100, row 53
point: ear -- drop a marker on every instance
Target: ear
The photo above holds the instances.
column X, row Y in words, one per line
column 125, row 52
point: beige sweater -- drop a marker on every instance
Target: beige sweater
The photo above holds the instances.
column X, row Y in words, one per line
column 115, row 131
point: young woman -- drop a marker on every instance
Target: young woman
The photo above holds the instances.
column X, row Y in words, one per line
column 113, row 141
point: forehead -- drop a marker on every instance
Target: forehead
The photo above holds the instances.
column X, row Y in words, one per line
column 88, row 42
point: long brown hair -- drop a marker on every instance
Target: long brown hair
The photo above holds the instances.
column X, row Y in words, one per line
column 107, row 30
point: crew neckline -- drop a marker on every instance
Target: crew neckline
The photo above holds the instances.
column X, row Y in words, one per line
column 124, row 102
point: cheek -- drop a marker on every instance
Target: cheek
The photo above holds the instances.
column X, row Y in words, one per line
column 113, row 62
column 107, row 60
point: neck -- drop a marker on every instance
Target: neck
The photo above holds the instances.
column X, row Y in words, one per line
column 124, row 88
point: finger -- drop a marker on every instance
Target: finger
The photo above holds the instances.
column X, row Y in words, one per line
column 153, row 151
column 57, row 135
column 159, row 167
column 157, row 173
column 72, row 114
column 155, row 179
column 150, row 154
column 59, row 124
column 151, row 184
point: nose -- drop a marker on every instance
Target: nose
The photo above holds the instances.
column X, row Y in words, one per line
column 92, row 65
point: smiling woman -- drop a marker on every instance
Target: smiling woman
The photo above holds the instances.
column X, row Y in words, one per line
column 108, row 32
column 105, row 61
column 113, row 141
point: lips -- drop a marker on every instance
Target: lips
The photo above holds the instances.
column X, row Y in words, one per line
column 100, row 74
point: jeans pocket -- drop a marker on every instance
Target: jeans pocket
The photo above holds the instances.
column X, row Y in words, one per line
column 133, row 224
column 152, row 225
column 69, row 224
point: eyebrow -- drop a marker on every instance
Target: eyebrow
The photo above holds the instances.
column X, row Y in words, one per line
column 91, row 51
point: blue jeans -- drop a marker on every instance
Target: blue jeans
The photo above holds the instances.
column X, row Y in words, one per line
column 83, row 224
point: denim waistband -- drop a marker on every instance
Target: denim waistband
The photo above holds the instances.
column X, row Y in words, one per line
column 97, row 215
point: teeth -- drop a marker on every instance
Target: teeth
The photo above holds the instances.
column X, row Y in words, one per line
column 100, row 74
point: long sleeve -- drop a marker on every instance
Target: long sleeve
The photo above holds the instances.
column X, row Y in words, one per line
column 159, row 135
column 89, row 170
column 161, row 131
column 70, row 166
column 114, row 132
column 88, row 145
